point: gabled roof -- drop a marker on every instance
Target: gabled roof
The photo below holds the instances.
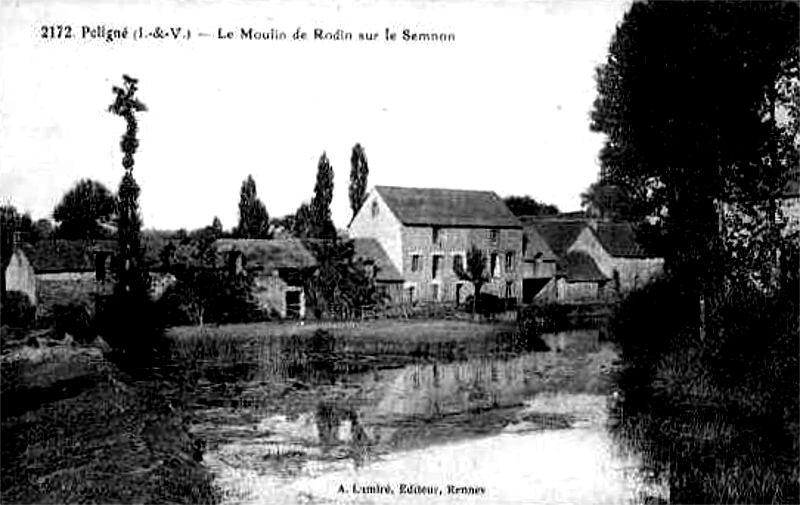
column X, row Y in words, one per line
column 370, row 249
column 558, row 233
column 56, row 256
column 537, row 248
column 580, row 267
column 270, row 254
column 448, row 207
column 619, row 239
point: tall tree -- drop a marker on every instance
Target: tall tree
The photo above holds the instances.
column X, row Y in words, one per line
column 609, row 201
column 359, row 170
column 527, row 206
column 216, row 227
column 475, row 272
column 83, row 208
column 688, row 99
column 253, row 216
column 129, row 223
column 320, row 209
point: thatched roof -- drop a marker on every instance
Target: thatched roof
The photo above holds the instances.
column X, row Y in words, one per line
column 56, row 256
column 270, row 255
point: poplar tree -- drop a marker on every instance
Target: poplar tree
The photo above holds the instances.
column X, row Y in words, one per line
column 129, row 223
column 322, row 225
column 253, row 216
column 359, row 170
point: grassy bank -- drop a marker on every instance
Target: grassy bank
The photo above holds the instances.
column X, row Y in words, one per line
column 717, row 417
column 76, row 429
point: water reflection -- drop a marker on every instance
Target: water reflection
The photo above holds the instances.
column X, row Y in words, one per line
column 311, row 415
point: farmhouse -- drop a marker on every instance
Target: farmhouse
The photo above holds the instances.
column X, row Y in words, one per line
column 60, row 271
column 613, row 247
column 593, row 258
column 279, row 267
column 426, row 233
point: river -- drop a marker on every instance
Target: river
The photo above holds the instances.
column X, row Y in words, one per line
column 482, row 430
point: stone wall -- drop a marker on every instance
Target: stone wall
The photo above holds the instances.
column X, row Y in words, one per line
column 68, row 288
column 452, row 242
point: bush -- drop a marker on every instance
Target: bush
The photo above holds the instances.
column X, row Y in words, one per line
column 74, row 319
column 488, row 304
column 130, row 323
column 17, row 310
column 720, row 413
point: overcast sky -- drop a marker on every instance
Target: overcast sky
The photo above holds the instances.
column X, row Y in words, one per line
column 505, row 107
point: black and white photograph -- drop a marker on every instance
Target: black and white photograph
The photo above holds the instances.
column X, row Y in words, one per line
column 445, row 252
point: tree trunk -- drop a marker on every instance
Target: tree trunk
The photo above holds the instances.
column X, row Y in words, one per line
column 475, row 296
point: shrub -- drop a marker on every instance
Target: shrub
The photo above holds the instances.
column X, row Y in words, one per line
column 720, row 413
column 17, row 310
column 488, row 304
column 74, row 319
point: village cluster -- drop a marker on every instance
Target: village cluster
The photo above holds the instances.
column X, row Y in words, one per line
column 413, row 241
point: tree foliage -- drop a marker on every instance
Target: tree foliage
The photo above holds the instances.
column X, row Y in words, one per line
column 321, row 224
column 475, row 272
column 83, row 209
column 527, row 206
column 253, row 216
column 129, row 223
column 359, row 170
column 341, row 285
column 696, row 103
column 608, row 201
column 207, row 288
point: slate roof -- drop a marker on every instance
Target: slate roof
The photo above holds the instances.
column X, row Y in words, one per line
column 558, row 233
column 270, row 254
column 580, row 267
column 448, row 207
column 619, row 239
column 537, row 248
column 57, row 256
column 371, row 249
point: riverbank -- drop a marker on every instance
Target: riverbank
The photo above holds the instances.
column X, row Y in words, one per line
column 75, row 429
column 291, row 411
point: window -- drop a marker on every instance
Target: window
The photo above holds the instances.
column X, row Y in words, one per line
column 493, row 234
column 415, row 262
column 509, row 261
column 410, row 294
column 435, row 292
column 435, row 234
column 524, row 245
column 436, row 266
column 509, row 289
column 375, row 208
column 458, row 263
column 493, row 265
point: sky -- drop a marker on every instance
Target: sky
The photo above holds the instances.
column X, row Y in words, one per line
column 504, row 107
